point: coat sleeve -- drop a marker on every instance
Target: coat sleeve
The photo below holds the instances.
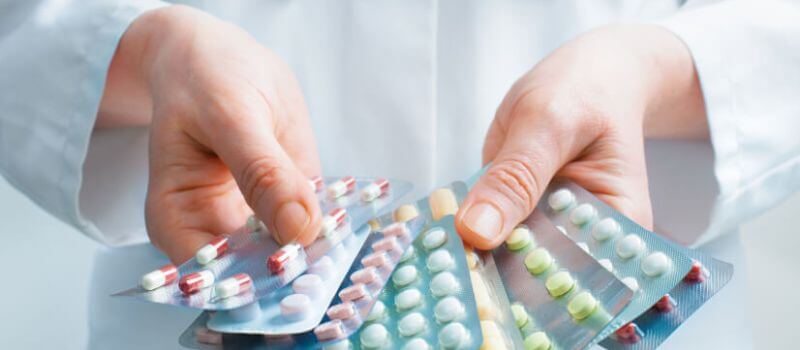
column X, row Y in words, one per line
column 747, row 55
column 54, row 56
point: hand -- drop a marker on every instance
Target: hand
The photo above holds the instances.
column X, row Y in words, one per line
column 229, row 136
column 581, row 114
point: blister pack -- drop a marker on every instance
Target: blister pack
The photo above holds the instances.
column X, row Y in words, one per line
column 566, row 298
column 648, row 264
column 704, row 279
column 238, row 269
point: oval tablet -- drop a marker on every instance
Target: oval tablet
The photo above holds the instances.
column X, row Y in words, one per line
column 521, row 316
column 443, row 284
column 366, row 275
column 405, row 213
column 377, row 311
column 582, row 305
column 417, row 344
column 341, row 311
column 308, row 284
column 411, row 324
column 442, row 202
column 537, row 341
column 374, row 336
column 404, row 275
column 408, row 299
column 561, row 199
column 656, row 264
column 452, row 335
column 629, row 246
column 434, row 238
column 448, row 309
column 329, row 330
column 376, row 259
column 440, row 260
column 605, row 229
column 409, row 253
column 295, row 305
column 559, row 283
column 519, row 238
column 538, row 261
column 582, row 214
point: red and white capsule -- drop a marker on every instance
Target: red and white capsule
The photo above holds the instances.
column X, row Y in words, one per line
column 239, row 283
column 341, row 187
column 374, row 190
column 278, row 260
column 332, row 221
column 159, row 278
column 316, row 183
column 194, row 282
column 212, row 250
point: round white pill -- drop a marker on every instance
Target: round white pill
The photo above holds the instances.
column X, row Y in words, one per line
column 605, row 229
column 452, row 335
column 417, row 344
column 582, row 214
column 322, row 267
column 561, row 199
column 631, row 283
column 448, row 309
column 629, row 246
column 377, row 311
column 408, row 299
column 440, row 260
column 374, row 336
column 444, row 284
column 434, row 238
column 295, row 305
column 411, row 324
column 606, row 264
column 408, row 254
column 656, row 264
column 404, row 275
column 308, row 284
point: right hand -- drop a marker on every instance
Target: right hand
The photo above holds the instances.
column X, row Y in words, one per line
column 230, row 134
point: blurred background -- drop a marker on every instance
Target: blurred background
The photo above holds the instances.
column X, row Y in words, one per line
column 48, row 266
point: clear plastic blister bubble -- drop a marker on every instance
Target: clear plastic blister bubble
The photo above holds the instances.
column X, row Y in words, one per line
column 647, row 263
column 238, row 269
column 562, row 297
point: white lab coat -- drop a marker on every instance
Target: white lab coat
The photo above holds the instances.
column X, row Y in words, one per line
column 404, row 89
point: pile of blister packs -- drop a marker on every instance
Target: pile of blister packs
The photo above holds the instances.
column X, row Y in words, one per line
column 573, row 275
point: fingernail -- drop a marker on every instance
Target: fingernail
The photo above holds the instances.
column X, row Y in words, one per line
column 290, row 221
column 484, row 220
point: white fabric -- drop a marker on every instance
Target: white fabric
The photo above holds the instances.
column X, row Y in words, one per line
column 420, row 79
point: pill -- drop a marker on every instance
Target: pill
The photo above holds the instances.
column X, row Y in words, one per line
column 332, row 220
column 376, row 259
column 631, row 283
column 341, row 187
column 398, row 229
column 444, row 283
column 452, row 335
column 212, row 250
column 285, row 255
column 493, row 343
column 434, row 238
column 377, row 311
column 448, row 309
column 295, row 305
column 374, row 336
column 605, row 229
column 537, row 341
column 483, row 302
column 417, row 344
column 341, row 311
column 538, row 261
column 339, row 345
column 408, row 299
column 206, row 336
column 492, row 336
column 329, row 330
column 584, row 247
column 354, row 292
column 194, row 282
column 559, row 283
column 405, row 213
column 582, row 305
column 442, row 202
column 629, row 246
column 519, row 238
column 388, row 244
column 409, row 253
column 366, row 275
column 606, row 264
column 322, row 267
column 582, row 214
column 561, row 199
column 158, row 278
column 374, row 190
column 237, row 284
column 628, row 334
column 696, row 273
column 655, row 264
column 316, row 183
column 521, row 317
column 665, row 304
column 404, row 275
column 411, row 324
column 440, row 260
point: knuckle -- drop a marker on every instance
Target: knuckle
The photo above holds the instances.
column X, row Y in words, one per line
column 260, row 176
column 515, row 177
